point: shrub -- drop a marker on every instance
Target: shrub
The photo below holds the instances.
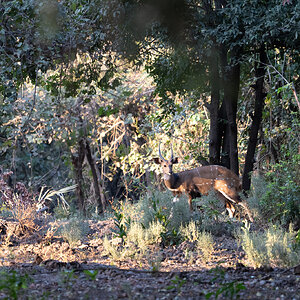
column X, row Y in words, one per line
column 12, row 284
column 74, row 230
column 154, row 260
column 139, row 237
column 274, row 247
column 49, row 198
column 136, row 243
column 61, row 213
column 213, row 218
column 112, row 249
column 20, row 204
column 277, row 197
column 205, row 245
column 258, row 189
column 176, row 213
column 204, row 240
column 190, row 232
column 157, row 207
column 122, row 224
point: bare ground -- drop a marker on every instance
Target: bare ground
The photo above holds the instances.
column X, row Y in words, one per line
column 58, row 271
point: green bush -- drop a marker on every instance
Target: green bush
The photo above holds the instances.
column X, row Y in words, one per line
column 136, row 243
column 176, row 212
column 61, row 213
column 74, row 230
column 213, row 217
column 154, row 220
column 203, row 240
column 12, row 284
column 273, row 247
column 276, row 198
column 190, row 232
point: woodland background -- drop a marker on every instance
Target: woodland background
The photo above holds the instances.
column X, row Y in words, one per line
column 89, row 89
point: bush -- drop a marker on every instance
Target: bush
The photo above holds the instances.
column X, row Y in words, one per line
column 176, row 213
column 276, row 198
column 212, row 217
column 204, row 240
column 141, row 238
column 274, row 247
column 157, row 207
column 74, row 230
column 19, row 203
column 12, row 284
column 136, row 243
column 190, row 232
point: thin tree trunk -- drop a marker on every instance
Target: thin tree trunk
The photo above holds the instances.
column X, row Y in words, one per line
column 224, row 137
column 258, row 108
column 101, row 187
column 77, row 161
column 92, row 164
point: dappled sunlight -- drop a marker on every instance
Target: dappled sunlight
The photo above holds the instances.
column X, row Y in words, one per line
column 97, row 97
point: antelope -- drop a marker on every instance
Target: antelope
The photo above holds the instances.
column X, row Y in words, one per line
column 201, row 180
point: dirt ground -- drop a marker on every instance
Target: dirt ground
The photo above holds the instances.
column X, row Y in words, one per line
column 56, row 270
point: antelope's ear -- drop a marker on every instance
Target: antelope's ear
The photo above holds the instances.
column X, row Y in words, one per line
column 175, row 160
column 157, row 160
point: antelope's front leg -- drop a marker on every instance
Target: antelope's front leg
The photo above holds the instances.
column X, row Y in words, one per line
column 190, row 202
column 176, row 196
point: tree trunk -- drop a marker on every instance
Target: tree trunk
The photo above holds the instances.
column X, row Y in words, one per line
column 92, row 164
column 258, row 108
column 231, row 84
column 230, row 98
column 214, row 136
column 77, row 161
column 224, row 137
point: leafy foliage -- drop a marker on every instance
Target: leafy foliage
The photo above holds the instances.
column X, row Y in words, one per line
column 122, row 225
column 276, row 196
column 229, row 290
column 73, row 230
column 12, row 283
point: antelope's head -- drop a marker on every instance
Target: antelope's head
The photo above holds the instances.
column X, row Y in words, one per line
column 167, row 165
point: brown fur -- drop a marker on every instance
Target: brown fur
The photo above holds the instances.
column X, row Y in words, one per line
column 201, row 180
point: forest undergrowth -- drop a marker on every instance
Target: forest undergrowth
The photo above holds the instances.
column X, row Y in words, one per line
column 154, row 235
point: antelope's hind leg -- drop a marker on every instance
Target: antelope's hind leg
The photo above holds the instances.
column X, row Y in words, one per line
column 230, row 208
column 244, row 205
column 228, row 203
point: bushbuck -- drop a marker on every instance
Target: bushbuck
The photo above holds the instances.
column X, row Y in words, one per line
column 201, row 180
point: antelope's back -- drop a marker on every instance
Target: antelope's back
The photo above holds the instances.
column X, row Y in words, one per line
column 216, row 172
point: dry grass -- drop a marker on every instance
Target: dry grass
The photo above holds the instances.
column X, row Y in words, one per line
column 25, row 214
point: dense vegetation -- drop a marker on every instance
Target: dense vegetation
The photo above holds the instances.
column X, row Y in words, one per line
column 89, row 89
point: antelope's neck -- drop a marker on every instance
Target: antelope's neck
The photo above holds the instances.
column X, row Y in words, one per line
column 171, row 181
